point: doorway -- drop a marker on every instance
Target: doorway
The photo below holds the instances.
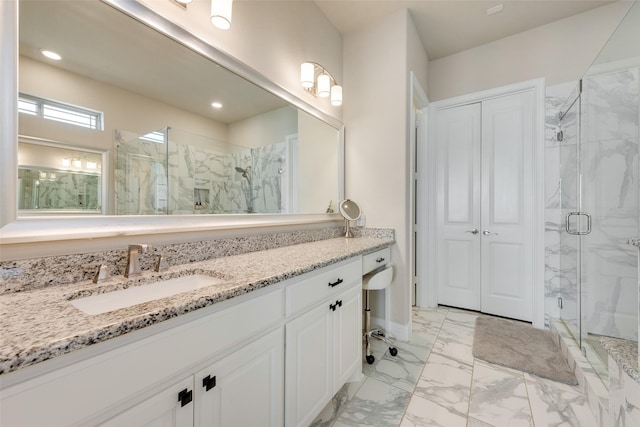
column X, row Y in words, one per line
column 486, row 229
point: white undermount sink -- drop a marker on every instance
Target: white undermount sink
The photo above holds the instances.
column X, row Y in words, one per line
column 110, row 301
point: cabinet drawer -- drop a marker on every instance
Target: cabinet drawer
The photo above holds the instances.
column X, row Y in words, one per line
column 375, row 260
column 321, row 285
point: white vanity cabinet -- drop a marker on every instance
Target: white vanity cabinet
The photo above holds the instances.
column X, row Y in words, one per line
column 137, row 379
column 242, row 389
column 245, row 388
column 323, row 339
column 270, row 358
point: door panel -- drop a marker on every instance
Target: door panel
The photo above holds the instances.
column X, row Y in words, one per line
column 484, row 214
column 458, row 212
column 507, row 208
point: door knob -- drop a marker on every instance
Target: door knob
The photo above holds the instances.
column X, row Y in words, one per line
column 474, row 231
column 488, row 233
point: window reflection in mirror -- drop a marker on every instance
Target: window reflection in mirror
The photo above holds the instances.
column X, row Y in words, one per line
column 54, row 179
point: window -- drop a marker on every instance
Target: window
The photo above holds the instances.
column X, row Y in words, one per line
column 59, row 112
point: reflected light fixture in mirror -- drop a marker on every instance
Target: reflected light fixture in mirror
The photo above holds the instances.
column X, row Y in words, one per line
column 221, row 13
column 315, row 79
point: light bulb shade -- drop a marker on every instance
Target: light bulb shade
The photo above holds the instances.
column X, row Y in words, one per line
column 307, row 73
column 324, row 85
column 221, row 13
column 336, row 95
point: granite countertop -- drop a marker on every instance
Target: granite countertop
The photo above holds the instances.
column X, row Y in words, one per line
column 41, row 324
column 625, row 353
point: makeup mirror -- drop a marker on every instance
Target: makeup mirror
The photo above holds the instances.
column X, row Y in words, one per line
column 351, row 212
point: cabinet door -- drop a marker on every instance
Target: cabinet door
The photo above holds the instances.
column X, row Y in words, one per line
column 309, row 370
column 347, row 330
column 245, row 388
column 164, row 409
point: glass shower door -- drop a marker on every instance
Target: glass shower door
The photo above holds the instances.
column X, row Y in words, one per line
column 609, row 192
column 568, row 140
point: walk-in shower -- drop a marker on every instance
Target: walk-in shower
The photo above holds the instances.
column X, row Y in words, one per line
column 171, row 171
column 598, row 138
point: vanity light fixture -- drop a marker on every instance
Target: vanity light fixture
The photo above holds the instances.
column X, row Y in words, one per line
column 315, row 79
column 51, row 54
column 66, row 163
column 221, row 13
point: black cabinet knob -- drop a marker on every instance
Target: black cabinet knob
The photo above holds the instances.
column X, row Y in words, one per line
column 185, row 397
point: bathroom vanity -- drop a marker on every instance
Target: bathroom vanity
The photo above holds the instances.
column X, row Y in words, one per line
column 279, row 333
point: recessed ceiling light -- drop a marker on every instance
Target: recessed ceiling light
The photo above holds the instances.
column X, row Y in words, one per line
column 51, row 54
column 216, row 105
column 495, row 9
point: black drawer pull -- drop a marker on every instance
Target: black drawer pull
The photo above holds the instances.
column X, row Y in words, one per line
column 336, row 283
column 332, row 307
column 209, row 382
column 185, row 397
column 380, row 259
column 339, row 303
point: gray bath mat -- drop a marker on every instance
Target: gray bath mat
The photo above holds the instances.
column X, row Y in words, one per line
column 520, row 346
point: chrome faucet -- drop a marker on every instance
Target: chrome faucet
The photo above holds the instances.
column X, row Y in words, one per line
column 133, row 260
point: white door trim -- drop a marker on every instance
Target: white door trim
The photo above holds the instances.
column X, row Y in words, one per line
column 427, row 192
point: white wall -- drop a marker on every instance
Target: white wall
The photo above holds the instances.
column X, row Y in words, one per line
column 273, row 37
column 122, row 109
column 561, row 52
column 376, row 115
column 317, row 154
column 264, row 129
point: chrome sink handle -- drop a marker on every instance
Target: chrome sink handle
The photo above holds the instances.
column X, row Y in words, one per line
column 488, row 233
column 474, row 231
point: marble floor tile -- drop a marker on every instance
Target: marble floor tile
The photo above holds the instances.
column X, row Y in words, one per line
column 557, row 404
column 376, row 404
column 452, row 389
column 455, row 341
column 498, row 396
column 446, row 382
column 422, row 412
column 402, row 370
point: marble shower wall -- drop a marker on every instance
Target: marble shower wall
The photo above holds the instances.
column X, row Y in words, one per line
column 199, row 180
column 608, row 151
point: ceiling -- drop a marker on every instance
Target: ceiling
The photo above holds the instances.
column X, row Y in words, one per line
column 450, row 26
column 98, row 41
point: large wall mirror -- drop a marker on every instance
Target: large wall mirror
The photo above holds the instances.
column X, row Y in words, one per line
column 132, row 122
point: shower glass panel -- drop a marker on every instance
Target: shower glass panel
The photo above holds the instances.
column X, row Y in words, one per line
column 600, row 174
column 609, row 183
column 141, row 173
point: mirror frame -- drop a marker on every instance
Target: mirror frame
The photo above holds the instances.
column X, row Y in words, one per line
column 14, row 230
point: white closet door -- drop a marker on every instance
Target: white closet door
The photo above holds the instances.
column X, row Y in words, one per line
column 507, row 206
column 458, row 206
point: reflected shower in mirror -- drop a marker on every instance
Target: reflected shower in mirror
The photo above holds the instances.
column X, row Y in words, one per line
column 174, row 124
column 56, row 179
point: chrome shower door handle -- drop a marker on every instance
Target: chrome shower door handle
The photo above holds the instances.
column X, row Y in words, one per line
column 567, row 225
column 474, row 231
column 488, row 233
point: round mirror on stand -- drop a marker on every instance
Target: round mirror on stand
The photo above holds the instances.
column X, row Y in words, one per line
column 351, row 212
